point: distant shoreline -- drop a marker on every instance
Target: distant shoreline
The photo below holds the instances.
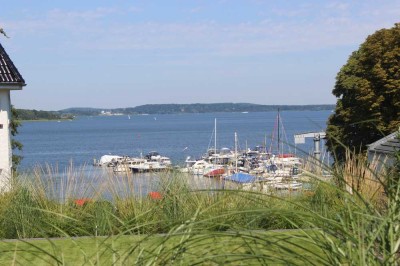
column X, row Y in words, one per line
column 159, row 109
column 44, row 120
column 156, row 109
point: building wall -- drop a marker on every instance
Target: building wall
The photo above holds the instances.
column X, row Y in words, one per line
column 381, row 160
column 5, row 138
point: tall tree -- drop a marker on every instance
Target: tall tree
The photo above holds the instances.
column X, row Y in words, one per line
column 15, row 145
column 368, row 94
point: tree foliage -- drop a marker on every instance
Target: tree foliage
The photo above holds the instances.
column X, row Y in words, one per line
column 195, row 108
column 15, row 145
column 25, row 114
column 368, row 94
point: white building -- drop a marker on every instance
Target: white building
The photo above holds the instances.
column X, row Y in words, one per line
column 10, row 79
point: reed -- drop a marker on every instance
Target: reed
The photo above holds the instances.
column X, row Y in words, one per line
column 365, row 178
column 190, row 223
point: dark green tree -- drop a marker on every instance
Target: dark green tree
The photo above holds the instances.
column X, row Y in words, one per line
column 368, row 94
column 15, row 145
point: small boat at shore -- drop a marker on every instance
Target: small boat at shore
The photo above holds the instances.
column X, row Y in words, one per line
column 126, row 164
column 148, row 167
column 107, row 160
column 214, row 171
column 196, row 167
column 152, row 162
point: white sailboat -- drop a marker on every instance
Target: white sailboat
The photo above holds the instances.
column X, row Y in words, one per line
column 282, row 165
column 210, row 164
column 214, row 169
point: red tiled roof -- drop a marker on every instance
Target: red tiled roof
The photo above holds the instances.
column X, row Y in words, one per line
column 8, row 72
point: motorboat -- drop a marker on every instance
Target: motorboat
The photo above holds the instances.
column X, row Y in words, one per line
column 214, row 171
column 152, row 162
column 198, row 168
column 148, row 166
column 154, row 156
column 127, row 164
column 107, row 160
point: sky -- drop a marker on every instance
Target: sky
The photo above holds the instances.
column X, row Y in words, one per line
column 120, row 53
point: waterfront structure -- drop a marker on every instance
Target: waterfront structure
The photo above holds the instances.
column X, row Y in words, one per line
column 383, row 150
column 317, row 136
column 10, row 79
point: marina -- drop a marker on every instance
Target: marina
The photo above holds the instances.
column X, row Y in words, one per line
column 184, row 143
column 200, row 133
column 278, row 172
column 261, row 168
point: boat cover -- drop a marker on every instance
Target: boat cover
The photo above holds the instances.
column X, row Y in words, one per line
column 241, row 178
column 108, row 158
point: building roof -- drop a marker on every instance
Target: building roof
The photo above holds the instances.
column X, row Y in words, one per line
column 388, row 144
column 9, row 74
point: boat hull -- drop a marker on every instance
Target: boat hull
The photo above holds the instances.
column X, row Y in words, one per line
column 215, row 172
column 148, row 169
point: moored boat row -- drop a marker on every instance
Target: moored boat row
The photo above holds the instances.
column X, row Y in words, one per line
column 251, row 168
column 260, row 166
column 153, row 161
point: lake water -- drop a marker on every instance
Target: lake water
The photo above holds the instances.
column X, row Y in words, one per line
column 56, row 145
column 174, row 135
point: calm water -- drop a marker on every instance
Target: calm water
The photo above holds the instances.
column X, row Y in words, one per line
column 176, row 136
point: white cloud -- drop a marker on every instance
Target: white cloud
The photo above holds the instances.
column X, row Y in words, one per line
column 323, row 29
column 73, row 16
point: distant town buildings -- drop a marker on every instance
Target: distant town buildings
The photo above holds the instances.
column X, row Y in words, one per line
column 109, row 113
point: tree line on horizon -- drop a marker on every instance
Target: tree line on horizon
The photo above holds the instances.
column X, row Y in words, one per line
column 197, row 108
column 26, row 114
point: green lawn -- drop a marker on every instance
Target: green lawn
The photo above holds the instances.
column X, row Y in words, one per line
column 237, row 248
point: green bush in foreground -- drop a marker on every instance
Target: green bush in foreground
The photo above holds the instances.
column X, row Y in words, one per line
column 328, row 225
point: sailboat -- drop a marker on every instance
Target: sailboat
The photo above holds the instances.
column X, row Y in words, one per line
column 206, row 165
column 282, row 168
column 239, row 176
column 214, row 169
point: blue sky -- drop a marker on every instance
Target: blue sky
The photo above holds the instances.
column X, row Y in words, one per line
column 121, row 53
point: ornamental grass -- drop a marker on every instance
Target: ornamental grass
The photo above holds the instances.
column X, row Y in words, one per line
column 85, row 218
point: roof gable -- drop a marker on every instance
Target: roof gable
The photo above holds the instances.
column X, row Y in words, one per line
column 389, row 144
column 9, row 74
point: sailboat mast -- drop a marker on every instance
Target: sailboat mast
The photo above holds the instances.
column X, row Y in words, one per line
column 215, row 137
column 279, row 134
column 236, row 159
column 265, row 143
